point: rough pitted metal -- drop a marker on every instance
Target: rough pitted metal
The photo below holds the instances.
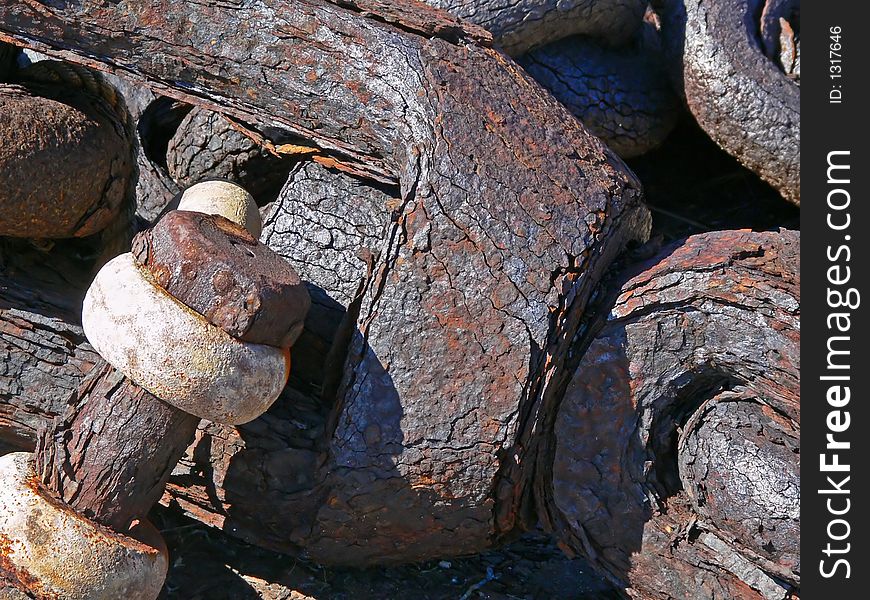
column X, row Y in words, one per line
column 594, row 56
column 44, row 194
column 738, row 465
column 55, row 553
column 174, row 353
column 153, row 186
column 329, row 225
column 716, row 312
column 123, row 442
column 509, row 213
column 622, row 95
column 220, row 271
column 156, row 117
column 207, row 146
column 740, row 97
column 42, row 345
column 116, row 233
column 518, row 25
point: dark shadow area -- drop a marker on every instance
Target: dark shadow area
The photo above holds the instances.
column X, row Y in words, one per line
column 157, row 125
column 208, row 564
column 190, row 145
column 692, row 186
column 43, row 351
column 47, row 277
column 691, row 390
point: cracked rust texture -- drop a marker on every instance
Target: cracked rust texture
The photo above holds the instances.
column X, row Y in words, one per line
column 43, row 350
column 441, row 420
column 330, row 226
column 207, row 146
column 507, row 216
column 739, row 96
column 37, row 354
column 738, row 465
column 621, row 94
column 44, row 357
column 715, row 314
column 156, row 117
column 599, row 58
column 518, row 25
column 109, row 454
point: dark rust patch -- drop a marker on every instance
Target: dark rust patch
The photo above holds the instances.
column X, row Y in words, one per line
column 683, row 419
column 114, row 487
column 219, row 270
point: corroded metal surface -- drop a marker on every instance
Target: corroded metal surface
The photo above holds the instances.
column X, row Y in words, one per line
column 506, row 216
column 44, row 194
column 54, row 552
column 174, row 353
column 447, row 427
column 740, row 97
column 738, row 465
column 518, row 25
column 704, row 340
column 220, row 271
column 622, row 95
column 207, row 145
column 109, row 454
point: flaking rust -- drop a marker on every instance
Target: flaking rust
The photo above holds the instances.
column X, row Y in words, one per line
column 220, row 271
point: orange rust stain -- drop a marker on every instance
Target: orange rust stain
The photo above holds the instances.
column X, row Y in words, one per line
column 286, row 352
column 19, row 578
column 425, row 481
column 102, row 533
column 495, row 117
column 359, row 91
column 330, row 162
column 294, row 149
column 491, row 427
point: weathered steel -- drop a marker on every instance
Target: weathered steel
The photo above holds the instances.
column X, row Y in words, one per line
column 623, row 95
column 698, row 363
column 208, row 145
column 740, row 97
column 703, row 337
column 110, row 454
column 220, row 271
column 43, row 351
column 44, row 194
column 431, row 419
column 519, row 25
column 508, row 215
